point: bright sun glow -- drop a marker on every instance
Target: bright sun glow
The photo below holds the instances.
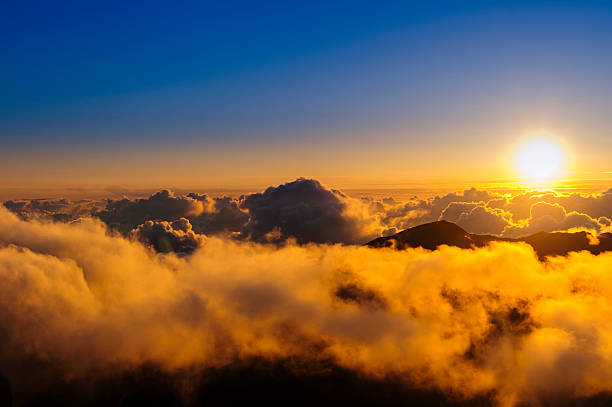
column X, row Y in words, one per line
column 539, row 160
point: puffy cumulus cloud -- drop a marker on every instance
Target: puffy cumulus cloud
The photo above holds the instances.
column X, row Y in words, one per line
column 480, row 218
column 516, row 215
column 223, row 216
column 310, row 212
column 491, row 323
column 307, row 211
column 456, row 209
column 521, row 214
column 394, row 216
column 303, row 209
column 438, row 204
column 594, row 205
column 598, row 205
column 477, row 218
column 604, row 221
column 177, row 236
column 546, row 217
column 126, row 214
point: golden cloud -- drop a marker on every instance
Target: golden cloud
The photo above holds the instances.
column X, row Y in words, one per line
column 466, row 322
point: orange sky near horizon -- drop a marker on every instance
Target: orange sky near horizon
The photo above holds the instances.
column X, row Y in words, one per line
column 391, row 167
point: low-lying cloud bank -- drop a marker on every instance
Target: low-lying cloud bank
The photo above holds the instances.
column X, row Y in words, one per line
column 493, row 324
column 309, row 212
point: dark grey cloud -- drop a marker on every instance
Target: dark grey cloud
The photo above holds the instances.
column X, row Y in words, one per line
column 126, row 214
column 176, row 236
column 223, row 215
column 305, row 210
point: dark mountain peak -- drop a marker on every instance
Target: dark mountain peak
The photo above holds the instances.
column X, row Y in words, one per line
column 429, row 236
column 440, row 226
column 548, row 244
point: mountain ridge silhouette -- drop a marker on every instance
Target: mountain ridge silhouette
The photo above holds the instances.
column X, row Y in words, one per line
column 434, row 234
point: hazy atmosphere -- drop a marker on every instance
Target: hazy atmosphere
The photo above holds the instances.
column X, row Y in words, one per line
column 305, row 203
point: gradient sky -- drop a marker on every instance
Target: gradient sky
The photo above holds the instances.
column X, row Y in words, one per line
column 231, row 93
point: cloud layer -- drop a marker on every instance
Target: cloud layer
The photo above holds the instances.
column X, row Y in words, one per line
column 307, row 211
column 77, row 301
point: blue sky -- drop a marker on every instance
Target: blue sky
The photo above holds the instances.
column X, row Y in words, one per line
column 160, row 75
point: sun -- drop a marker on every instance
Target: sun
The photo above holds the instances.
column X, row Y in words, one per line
column 539, row 160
